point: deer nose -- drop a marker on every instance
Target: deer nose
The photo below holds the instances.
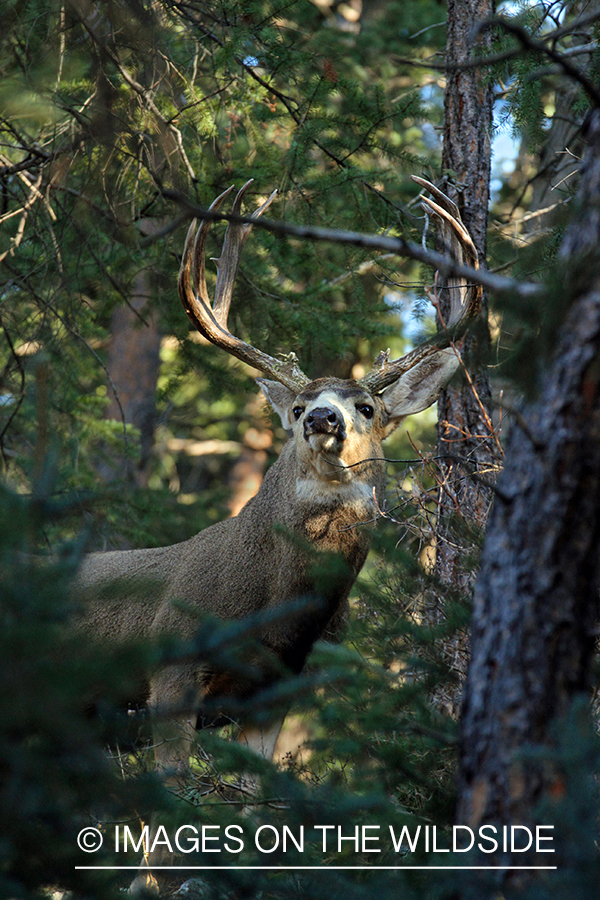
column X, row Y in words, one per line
column 324, row 420
column 322, row 416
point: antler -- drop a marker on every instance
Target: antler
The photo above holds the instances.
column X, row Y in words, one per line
column 211, row 321
column 465, row 299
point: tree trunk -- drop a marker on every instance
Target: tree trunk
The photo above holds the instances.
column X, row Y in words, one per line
column 464, row 409
column 465, row 443
column 133, row 365
column 536, row 594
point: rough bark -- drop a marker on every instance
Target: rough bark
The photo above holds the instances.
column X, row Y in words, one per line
column 536, row 596
column 463, row 431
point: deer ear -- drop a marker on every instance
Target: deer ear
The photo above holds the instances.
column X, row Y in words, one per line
column 418, row 388
column 280, row 398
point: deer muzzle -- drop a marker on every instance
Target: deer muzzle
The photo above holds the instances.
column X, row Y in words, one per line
column 326, row 421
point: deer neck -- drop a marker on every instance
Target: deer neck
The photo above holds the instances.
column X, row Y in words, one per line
column 326, row 481
column 333, row 514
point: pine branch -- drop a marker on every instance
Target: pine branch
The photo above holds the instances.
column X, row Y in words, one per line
column 387, row 244
column 530, row 43
column 292, row 105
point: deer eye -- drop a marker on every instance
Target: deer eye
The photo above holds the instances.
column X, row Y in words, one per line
column 297, row 411
column 365, row 409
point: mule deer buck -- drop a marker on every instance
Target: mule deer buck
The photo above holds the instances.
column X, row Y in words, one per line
column 327, row 482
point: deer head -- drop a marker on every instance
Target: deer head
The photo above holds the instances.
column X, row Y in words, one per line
column 335, row 423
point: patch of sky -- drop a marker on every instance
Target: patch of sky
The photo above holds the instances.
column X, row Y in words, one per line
column 554, row 13
column 505, row 145
column 415, row 312
column 505, row 148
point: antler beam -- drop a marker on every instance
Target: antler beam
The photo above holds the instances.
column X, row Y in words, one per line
column 465, row 299
column 211, row 321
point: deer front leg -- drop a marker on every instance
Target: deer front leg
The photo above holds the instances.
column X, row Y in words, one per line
column 174, row 737
column 261, row 740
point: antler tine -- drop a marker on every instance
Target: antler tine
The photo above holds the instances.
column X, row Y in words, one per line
column 459, row 245
column 212, row 322
column 199, row 269
column 465, row 298
column 227, row 264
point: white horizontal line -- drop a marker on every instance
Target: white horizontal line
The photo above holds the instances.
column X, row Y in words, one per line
column 320, row 868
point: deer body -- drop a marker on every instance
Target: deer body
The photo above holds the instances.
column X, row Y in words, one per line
column 317, row 498
column 311, row 501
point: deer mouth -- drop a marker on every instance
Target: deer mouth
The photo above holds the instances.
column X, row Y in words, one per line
column 324, row 442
